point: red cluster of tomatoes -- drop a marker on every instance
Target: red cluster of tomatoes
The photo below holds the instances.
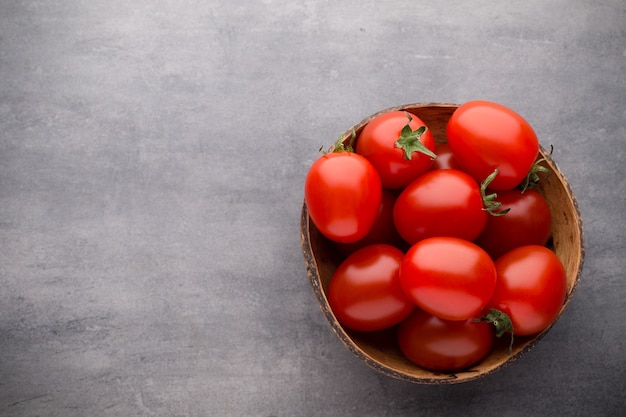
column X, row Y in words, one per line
column 444, row 242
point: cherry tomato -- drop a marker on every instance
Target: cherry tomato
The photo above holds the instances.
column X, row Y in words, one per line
column 343, row 193
column 445, row 158
column 448, row 277
column 485, row 136
column 394, row 143
column 528, row 222
column 364, row 292
column 441, row 345
column 531, row 288
column 444, row 202
column 383, row 230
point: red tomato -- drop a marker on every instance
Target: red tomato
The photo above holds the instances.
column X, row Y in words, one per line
column 448, row 277
column 383, row 230
column 441, row 345
column 399, row 153
column 531, row 288
column 444, row 202
column 343, row 192
column 486, row 136
column 528, row 222
column 445, row 158
column 364, row 292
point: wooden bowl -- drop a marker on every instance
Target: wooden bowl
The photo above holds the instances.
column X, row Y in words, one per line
column 379, row 350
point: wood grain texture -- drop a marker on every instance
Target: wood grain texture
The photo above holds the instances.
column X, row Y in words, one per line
column 379, row 350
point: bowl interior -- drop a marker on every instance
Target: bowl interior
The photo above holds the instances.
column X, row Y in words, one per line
column 379, row 350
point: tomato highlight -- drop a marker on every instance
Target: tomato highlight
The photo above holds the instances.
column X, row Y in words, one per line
column 440, row 203
column 343, row 193
column 441, row 345
column 365, row 293
column 486, row 136
column 530, row 289
column 448, row 277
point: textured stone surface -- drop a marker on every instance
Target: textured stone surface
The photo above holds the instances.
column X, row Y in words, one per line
column 152, row 157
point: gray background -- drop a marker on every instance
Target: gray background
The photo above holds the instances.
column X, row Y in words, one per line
column 152, row 159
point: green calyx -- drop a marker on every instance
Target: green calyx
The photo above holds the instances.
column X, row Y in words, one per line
column 501, row 322
column 532, row 178
column 340, row 146
column 410, row 140
column 489, row 200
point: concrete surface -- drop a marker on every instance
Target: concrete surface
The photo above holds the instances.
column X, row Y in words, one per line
column 152, row 157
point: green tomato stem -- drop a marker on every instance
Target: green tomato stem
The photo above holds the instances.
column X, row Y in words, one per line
column 489, row 200
column 502, row 323
column 532, row 179
column 410, row 140
column 339, row 146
